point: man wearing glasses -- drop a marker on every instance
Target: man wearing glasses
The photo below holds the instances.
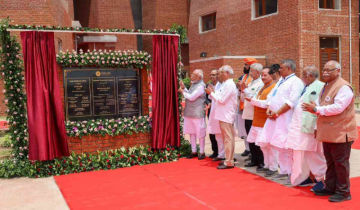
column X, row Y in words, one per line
column 336, row 129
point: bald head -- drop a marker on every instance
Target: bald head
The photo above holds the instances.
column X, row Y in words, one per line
column 331, row 71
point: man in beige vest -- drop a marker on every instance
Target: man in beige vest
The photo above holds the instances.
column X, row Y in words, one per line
column 336, row 129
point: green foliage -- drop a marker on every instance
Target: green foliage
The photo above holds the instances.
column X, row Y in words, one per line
column 180, row 30
column 105, row 160
column 12, row 73
column 130, row 125
column 187, row 82
column 5, row 141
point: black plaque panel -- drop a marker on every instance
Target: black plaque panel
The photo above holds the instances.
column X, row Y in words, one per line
column 128, row 97
column 104, row 96
column 78, row 97
column 101, row 93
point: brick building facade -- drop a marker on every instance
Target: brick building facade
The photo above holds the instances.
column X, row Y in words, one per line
column 134, row 14
column 294, row 29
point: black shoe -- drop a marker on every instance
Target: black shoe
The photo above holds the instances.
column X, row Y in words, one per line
column 224, row 167
column 192, row 155
column 323, row 192
column 339, row 198
column 260, row 167
column 235, row 159
column 270, row 173
column 245, row 153
column 221, row 163
column 251, row 165
column 218, row 159
column 202, row 156
column 213, row 155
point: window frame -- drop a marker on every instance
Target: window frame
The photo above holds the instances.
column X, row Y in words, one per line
column 254, row 10
column 337, row 6
column 201, row 22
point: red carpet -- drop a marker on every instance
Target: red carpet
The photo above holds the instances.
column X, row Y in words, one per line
column 189, row 184
column 356, row 144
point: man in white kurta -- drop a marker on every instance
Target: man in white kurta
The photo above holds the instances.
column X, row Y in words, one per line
column 248, row 115
column 226, row 107
column 214, row 125
column 307, row 151
column 281, row 108
column 194, row 113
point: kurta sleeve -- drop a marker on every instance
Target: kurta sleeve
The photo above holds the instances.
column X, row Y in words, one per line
column 194, row 95
column 341, row 101
column 223, row 96
column 295, row 92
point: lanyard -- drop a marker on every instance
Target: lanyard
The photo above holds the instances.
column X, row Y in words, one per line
column 323, row 90
column 303, row 90
column 282, row 81
column 262, row 89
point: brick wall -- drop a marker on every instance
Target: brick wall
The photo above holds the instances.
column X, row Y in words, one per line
column 291, row 33
column 39, row 12
column 208, row 65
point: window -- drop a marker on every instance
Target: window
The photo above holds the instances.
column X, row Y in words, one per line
column 329, row 50
column 208, row 22
column 265, row 7
column 329, row 4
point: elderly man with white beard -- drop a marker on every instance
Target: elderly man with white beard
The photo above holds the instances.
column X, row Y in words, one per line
column 194, row 112
column 307, row 151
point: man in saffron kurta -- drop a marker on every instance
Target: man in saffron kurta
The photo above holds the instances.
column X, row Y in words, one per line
column 336, row 129
column 259, row 103
column 194, row 112
column 307, row 151
column 240, row 122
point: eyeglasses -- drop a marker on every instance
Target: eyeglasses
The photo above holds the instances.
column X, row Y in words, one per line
column 329, row 70
column 212, row 74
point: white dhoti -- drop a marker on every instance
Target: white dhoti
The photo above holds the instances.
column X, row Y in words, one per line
column 240, row 127
column 214, row 128
column 196, row 128
column 307, row 151
column 271, row 155
column 253, row 134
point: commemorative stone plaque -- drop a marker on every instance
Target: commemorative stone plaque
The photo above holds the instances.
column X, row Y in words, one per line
column 101, row 93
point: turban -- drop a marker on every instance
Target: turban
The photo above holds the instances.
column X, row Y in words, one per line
column 250, row 61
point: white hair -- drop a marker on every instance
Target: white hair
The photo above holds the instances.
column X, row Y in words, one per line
column 337, row 65
column 200, row 72
column 228, row 69
column 312, row 70
column 289, row 63
column 257, row 66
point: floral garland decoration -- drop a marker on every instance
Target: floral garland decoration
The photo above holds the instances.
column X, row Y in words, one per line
column 12, row 73
column 110, row 127
column 114, row 59
column 86, row 29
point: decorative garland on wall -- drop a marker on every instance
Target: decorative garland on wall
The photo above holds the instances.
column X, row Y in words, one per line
column 12, row 73
column 130, row 125
column 112, row 59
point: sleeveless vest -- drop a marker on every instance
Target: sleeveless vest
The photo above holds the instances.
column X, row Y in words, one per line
column 247, row 79
column 335, row 129
column 259, row 113
column 195, row 109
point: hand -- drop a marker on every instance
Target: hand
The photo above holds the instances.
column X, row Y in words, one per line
column 182, row 86
column 309, row 107
column 209, row 89
column 243, row 85
column 207, row 107
column 181, row 90
column 268, row 112
column 273, row 116
column 248, row 99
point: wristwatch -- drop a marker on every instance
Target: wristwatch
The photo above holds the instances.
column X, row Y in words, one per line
column 315, row 109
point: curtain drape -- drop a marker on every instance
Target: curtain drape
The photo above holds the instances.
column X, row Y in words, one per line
column 46, row 121
column 165, row 116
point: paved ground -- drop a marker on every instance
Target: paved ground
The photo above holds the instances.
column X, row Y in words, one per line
column 43, row 194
